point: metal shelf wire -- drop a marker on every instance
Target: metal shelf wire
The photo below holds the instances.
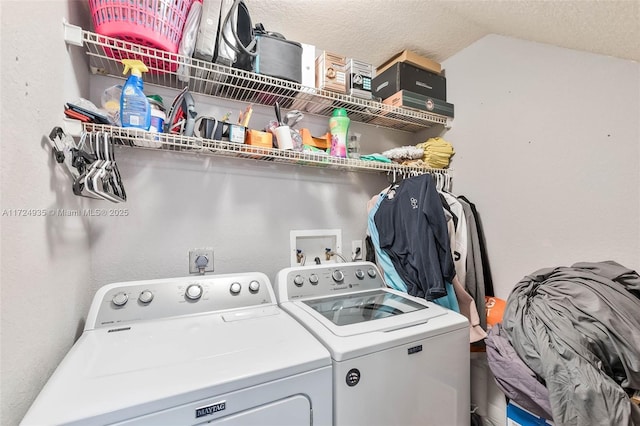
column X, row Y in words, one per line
column 230, row 83
column 194, row 145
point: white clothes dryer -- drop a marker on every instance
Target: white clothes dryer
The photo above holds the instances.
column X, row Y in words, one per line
column 397, row 359
column 183, row 351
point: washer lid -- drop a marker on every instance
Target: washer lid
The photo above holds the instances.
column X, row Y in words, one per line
column 355, row 308
column 368, row 311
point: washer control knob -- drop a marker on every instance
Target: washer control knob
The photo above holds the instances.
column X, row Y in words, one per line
column 313, row 279
column 254, row 286
column 337, row 275
column 120, row 299
column 372, row 272
column 235, row 288
column 359, row 274
column 194, row 292
column 298, row 280
column 145, row 297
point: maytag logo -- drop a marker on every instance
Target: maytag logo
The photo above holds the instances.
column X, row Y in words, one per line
column 414, row 349
column 211, row 409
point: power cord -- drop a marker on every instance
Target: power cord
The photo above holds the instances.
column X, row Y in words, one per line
column 330, row 253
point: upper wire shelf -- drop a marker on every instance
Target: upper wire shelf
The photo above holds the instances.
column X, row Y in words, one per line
column 172, row 142
column 225, row 82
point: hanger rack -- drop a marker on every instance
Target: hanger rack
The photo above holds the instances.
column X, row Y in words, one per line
column 90, row 163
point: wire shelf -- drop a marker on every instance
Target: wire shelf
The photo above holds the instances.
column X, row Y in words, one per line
column 224, row 82
column 171, row 142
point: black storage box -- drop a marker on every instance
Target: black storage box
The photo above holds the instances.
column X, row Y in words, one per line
column 403, row 76
column 277, row 57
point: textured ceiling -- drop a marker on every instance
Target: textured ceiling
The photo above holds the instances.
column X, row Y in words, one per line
column 374, row 30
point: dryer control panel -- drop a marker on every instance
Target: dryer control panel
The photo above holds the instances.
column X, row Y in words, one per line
column 326, row 280
column 146, row 300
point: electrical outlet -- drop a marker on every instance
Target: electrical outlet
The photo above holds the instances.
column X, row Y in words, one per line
column 200, row 260
column 356, row 250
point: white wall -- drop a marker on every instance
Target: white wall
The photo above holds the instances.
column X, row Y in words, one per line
column 45, row 259
column 547, row 146
column 243, row 209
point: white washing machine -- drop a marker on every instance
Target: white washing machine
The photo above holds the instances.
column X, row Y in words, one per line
column 397, row 359
column 184, row 351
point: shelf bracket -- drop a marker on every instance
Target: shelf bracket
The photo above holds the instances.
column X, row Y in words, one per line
column 447, row 126
column 72, row 34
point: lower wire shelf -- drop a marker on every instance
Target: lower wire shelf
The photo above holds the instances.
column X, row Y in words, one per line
column 171, row 142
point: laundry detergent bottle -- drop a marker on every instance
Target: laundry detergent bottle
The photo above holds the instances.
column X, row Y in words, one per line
column 135, row 109
column 339, row 128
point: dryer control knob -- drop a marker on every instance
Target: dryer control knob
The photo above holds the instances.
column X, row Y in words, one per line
column 194, row 292
column 254, row 286
column 337, row 275
column 298, row 280
column 313, row 279
column 372, row 272
column 120, row 299
column 145, row 297
column 235, row 288
column 360, row 274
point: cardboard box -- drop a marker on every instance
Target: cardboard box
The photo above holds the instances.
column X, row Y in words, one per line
column 407, row 99
column 260, row 142
column 359, row 76
column 413, row 59
column 258, row 138
column 403, row 76
column 331, row 72
column 518, row 416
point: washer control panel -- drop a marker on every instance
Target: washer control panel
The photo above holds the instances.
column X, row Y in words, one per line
column 126, row 302
column 324, row 280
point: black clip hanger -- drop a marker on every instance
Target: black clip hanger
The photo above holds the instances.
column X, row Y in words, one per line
column 100, row 181
column 81, row 183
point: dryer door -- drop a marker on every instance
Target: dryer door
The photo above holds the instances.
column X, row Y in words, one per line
column 291, row 411
column 294, row 410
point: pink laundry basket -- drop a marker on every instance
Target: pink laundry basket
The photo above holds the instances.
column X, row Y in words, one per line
column 157, row 24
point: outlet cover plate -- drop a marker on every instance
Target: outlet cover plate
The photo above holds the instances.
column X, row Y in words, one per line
column 193, row 256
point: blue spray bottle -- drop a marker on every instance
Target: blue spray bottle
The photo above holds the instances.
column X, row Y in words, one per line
column 135, row 109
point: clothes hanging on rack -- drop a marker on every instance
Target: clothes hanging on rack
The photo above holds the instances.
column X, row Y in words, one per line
column 448, row 208
column 477, row 275
column 413, row 232
column 458, row 235
column 391, row 277
column 467, row 307
column 484, row 257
